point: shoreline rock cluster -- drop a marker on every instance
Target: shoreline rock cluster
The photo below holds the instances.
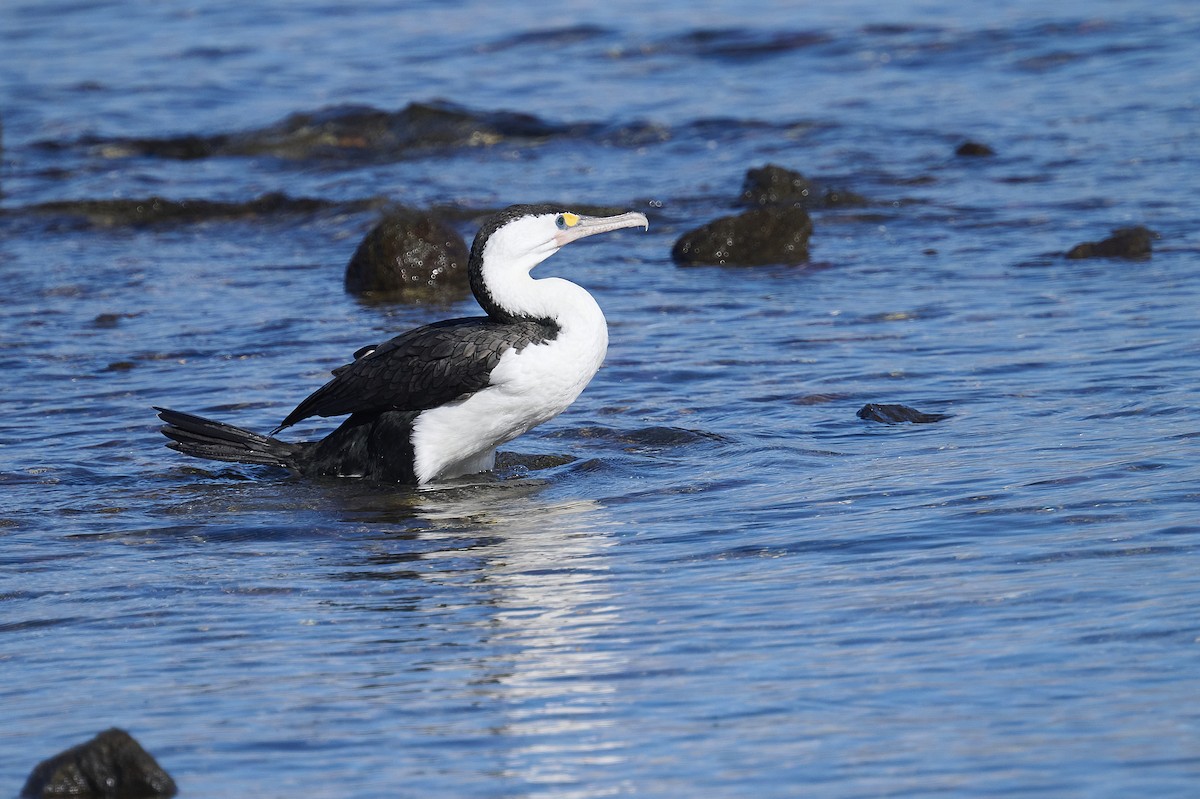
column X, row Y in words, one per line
column 413, row 255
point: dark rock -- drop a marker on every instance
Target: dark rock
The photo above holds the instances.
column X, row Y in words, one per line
column 109, row 319
column 110, row 766
column 894, row 414
column 348, row 131
column 533, row 463
column 774, row 185
column 1126, row 242
column 409, row 255
column 657, row 436
column 740, row 43
column 769, row 235
column 158, row 210
column 974, row 149
column 546, row 39
column 105, row 320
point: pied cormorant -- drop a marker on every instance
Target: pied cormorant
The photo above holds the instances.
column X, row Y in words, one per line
column 435, row 402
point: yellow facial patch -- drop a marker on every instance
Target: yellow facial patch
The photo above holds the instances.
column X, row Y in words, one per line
column 570, row 220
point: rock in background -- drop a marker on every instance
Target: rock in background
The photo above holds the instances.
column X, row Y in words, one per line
column 110, row 766
column 775, row 230
column 772, row 235
column 1133, row 243
column 410, row 255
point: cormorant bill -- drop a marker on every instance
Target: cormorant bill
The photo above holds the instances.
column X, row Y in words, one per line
column 435, row 402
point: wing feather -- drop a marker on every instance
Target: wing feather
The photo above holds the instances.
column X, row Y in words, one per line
column 421, row 369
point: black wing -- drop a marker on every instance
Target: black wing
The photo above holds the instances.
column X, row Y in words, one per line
column 421, row 369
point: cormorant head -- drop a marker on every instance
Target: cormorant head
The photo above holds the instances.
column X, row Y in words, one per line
column 515, row 240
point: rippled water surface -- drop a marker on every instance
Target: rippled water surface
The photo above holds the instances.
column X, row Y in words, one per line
column 737, row 587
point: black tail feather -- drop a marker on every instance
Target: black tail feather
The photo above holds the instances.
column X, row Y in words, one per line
column 204, row 438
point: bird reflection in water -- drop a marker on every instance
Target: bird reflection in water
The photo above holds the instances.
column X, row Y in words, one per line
column 549, row 654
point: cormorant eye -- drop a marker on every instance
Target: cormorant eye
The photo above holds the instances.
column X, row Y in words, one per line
column 564, row 221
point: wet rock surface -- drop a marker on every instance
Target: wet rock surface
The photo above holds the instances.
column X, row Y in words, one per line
column 772, row 184
column 649, row 437
column 348, row 131
column 1133, row 243
column 409, row 255
column 775, row 229
column 973, row 149
column 110, row 766
column 760, row 236
column 161, row 211
column 775, row 185
column 531, row 462
column 896, row 414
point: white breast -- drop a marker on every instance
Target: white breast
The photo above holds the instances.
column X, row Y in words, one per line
column 527, row 388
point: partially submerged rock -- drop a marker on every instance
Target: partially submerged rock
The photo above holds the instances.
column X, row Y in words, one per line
column 1127, row 242
column 895, row 414
column 775, row 185
column 973, row 149
column 110, row 766
column 111, row 319
column 410, row 255
column 533, row 463
column 775, row 230
column 160, row 210
column 657, row 436
column 771, row 235
column 772, row 185
column 348, row 131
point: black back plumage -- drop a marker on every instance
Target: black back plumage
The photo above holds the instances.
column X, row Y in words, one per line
column 422, row 368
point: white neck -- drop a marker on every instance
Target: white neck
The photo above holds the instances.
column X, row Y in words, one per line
column 552, row 298
column 518, row 293
column 571, row 308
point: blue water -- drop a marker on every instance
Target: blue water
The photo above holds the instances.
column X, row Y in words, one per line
column 738, row 588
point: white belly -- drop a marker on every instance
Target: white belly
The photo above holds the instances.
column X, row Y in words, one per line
column 527, row 388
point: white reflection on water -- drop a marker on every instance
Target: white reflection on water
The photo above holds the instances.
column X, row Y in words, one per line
column 550, row 652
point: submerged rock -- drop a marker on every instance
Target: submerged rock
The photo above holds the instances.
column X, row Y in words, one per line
column 110, row 766
column 111, row 319
column 772, row 184
column 348, row 131
column 646, row 437
column 738, row 43
column 159, row 210
column 775, row 185
column 1127, row 242
column 895, row 414
column 769, row 235
column 410, row 255
column 533, row 463
column 973, row 149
